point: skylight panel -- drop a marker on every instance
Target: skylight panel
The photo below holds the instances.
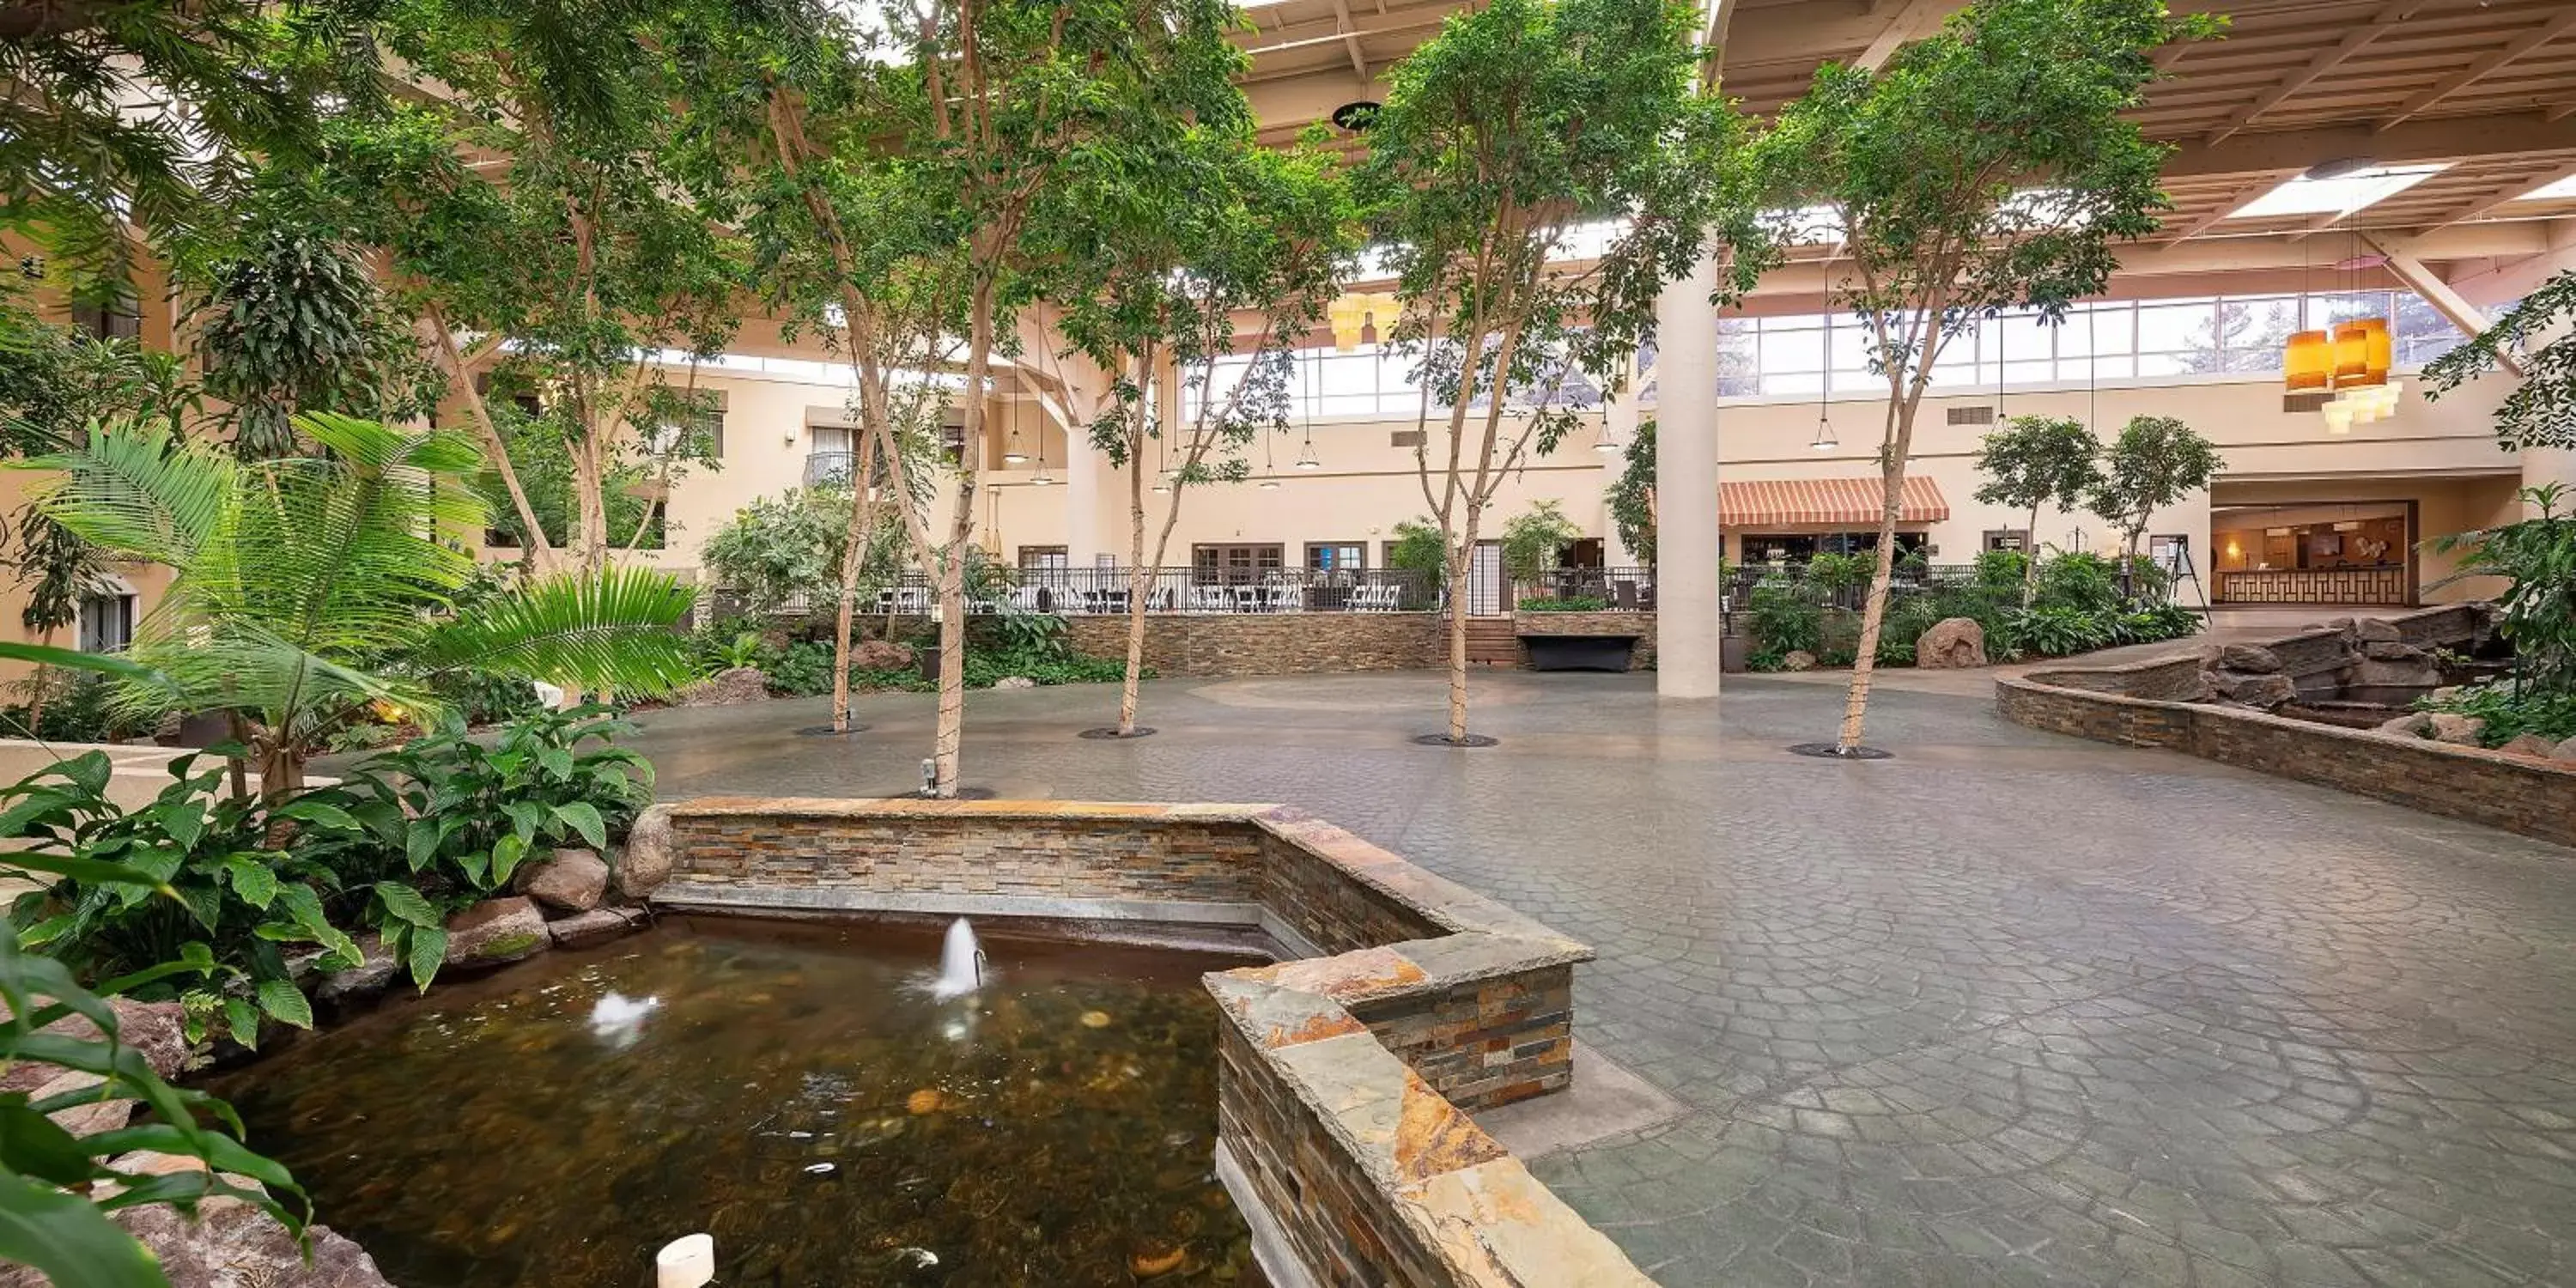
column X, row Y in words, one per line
column 2563, row 190
column 2341, row 195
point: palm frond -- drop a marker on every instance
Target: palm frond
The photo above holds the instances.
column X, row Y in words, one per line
column 618, row 629
column 139, row 492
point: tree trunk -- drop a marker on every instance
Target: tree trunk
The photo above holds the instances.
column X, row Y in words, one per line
column 538, row 553
column 952, row 571
column 281, row 769
column 854, row 552
column 1462, row 561
column 1140, row 583
column 1874, row 610
column 2030, row 558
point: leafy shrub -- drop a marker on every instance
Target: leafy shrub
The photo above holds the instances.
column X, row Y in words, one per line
column 76, row 708
column 2512, row 710
column 1786, row 619
column 457, row 818
column 2058, row 631
column 190, row 876
column 2002, row 570
column 802, row 669
column 1906, row 621
column 1841, row 572
column 2082, row 582
column 483, row 698
column 1563, row 604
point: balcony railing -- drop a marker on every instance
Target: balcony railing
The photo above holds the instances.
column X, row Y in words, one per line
column 828, row 469
column 1108, row 591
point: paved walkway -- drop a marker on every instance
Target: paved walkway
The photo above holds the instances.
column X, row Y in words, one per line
column 2011, row 1008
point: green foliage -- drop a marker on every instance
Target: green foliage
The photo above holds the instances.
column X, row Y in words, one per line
column 2511, row 710
column 2078, row 580
column 2057, row 630
column 2541, row 410
column 1632, row 494
column 2037, row 461
column 780, row 549
column 192, row 873
column 1419, row 548
column 1830, row 571
column 311, row 588
column 800, row 670
column 2155, row 462
column 1999, row 569
column 1786, row 619
column 450, row 820
column 57, row 1189
column 1532, row 538
column 1565, row 604
column 74, row 708
column 2537, row 613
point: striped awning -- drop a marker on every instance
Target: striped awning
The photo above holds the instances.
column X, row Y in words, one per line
column 1778, row 503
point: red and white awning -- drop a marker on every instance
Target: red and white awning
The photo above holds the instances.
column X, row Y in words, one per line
column 1783, row 503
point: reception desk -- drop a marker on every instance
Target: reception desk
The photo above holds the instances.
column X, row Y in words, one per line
column 2374, row 584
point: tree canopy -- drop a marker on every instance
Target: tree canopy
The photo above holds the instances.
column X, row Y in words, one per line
column 2541, row 411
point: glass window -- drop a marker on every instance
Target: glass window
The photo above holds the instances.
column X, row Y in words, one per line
column 106, row 623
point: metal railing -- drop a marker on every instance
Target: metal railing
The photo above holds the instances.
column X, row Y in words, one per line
column 1611, row 590
column 1081, row 592
column 828, row 469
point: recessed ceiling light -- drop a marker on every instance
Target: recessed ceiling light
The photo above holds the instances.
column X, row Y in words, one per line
column 2341, row 195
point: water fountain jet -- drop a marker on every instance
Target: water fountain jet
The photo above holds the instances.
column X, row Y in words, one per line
column 961, row 962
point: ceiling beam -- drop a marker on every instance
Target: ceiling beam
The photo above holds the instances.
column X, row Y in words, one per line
column 2235, row 200
column 2558, row 111
column 1351, row 39
column 2326, row 60
column 2442, row 139
column 2446, row 301
column 2511, row 192
column 2486, row 64
column 1916, row 20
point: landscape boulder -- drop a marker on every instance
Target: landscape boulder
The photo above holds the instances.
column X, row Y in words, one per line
column 2253, row 659
column 2375, row 630
column 157, row 1029
column 230, row 1245
column 567, row 880
column 2458, row 729
column 83, row 1120
column 2414, row 724
column 2529, row 744
column 495, row 932
column 1953, row 643
column 593, row 926
column 725, row 688
column 1798, row 659
column 2566, row 751
column 2260, row 691
column 362, row 982
column 1015, row 682
column 2393, row 651
column 2371, row 673
column 882, row 655
column 646, row 862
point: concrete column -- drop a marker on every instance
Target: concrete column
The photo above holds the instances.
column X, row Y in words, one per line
column 1618, row 425
column 1687, row 545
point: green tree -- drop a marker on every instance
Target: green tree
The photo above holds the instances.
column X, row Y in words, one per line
column 1632, row 495
column 1532, row 539
column 2036, row 461
column 311, row 588
column 2537, row 558
column 1519, row 125
column 2536, row 336
column 1172, row 264
column 2155, row 462
column 1986, row 167
column 780, row 549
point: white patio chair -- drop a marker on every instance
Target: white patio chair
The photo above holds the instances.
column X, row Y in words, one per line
column 1210, row 599
column 1158, row 600
column 1284, row 597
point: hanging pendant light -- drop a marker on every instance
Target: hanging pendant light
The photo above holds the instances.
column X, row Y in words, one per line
column 1012, row 453
column 2307, row 361
column 1825, row 441
column 1163, row 483
column 1306, row 458
column 2338, row 417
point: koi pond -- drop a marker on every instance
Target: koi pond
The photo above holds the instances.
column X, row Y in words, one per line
column 805, row 1093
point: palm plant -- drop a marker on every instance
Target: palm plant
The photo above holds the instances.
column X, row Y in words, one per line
column 312, row 589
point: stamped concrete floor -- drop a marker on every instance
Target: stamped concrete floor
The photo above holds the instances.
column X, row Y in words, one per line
column 2010, row 1008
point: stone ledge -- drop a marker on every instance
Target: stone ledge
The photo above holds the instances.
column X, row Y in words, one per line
column 1423, row 1000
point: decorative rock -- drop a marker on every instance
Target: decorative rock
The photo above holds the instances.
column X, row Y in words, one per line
column 157, row 1029
column 233, row 1244
column 2372, row 629
column 593, row 926
column 2414, row 724
column 2373, row 674
column 1798, row 659
column 2262, row 691
column 2445, row 693
column 725, row 688
column 2251, row 658
column 2529, row 744
column 567, row 881
column 646, row 862
column 494, row 932
column 2566, row 751
column 89, row 1119
column 2393, row 651
column 361, row 982
column 1015, row 682
column 882, row 655
column 1953, row 643
column 2457, row 729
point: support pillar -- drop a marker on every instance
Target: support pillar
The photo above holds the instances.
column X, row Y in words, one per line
column 1687, row 540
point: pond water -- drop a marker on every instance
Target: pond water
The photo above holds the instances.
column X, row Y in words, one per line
column 796, row 1091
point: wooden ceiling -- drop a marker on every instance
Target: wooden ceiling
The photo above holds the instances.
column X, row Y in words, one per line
column 2485, row 88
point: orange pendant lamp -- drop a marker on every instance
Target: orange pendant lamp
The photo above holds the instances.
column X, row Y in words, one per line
column 2308, row 361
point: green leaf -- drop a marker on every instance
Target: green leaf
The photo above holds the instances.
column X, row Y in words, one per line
column 33, row 1144
column 243, row 1020
column 506, row 854
column 89, row 771
column 406, row 904
column 252, row 879
column 69, row 1241
column 583, row 817
column 285, row 1003
column 525, row 818
column 74, row 659
column 421, row 841
column 313, row 811
column 555, row 761
column 425, row 947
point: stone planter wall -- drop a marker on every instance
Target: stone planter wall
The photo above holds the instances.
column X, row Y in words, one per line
column 2535, row 798
column 1224, row 644
column 1641, row 625
column 1344, row 1078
